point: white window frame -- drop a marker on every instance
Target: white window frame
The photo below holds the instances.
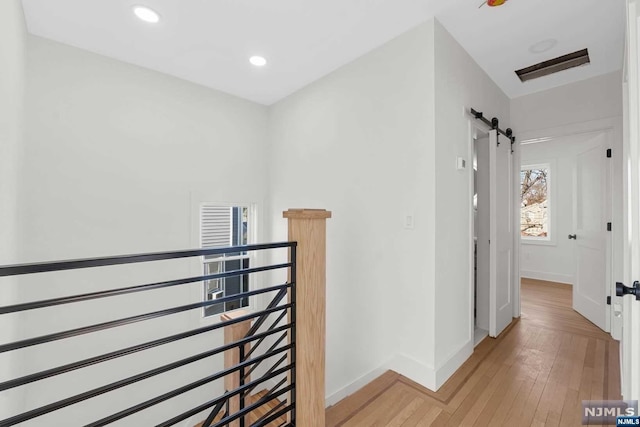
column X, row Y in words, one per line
column 550, row 239
column 251, row 256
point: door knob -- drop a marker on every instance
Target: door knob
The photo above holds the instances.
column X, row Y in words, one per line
column 622, row 290
column 572, row 236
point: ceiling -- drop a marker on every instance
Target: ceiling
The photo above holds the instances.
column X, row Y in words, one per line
column 209, row 41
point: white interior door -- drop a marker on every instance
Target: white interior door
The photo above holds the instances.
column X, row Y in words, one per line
column 590, row 210
column 501, row 234
column 630, row 343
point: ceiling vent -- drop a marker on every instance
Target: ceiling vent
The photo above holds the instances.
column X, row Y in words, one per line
column 555, row 65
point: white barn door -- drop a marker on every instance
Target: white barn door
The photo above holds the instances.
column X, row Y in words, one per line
column 501, row 234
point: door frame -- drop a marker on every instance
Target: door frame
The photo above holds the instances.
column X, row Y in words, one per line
column 475, row 127
column 613, row 128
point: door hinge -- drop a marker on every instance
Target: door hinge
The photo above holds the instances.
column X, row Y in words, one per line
column 608, row 226
column 608, row 300
column 609, row 153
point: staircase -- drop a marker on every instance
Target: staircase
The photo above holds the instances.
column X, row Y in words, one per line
column 261, row 412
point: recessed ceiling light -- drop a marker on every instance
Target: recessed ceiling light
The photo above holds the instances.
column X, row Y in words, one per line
column 146, row 14
column 258, row 61
column 543, row 46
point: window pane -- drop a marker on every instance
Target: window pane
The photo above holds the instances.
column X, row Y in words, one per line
column 219, row 225
column 214, row 289
column 534, row 212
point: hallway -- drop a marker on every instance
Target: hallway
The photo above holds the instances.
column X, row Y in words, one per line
column 535, row 374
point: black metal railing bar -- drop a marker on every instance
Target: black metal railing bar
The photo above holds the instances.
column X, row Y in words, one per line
column 273, row 410
column 166, row 396
column 134, row 289
column 273, row 325
column 270, row 370
column 133, row 349
column 136, row 378
column 273, row 347
column 226, row 397
column 248, row 344
column 214, row 413
column 43, row 267
column 226, row 420
column 266, row 421
column 130, row 320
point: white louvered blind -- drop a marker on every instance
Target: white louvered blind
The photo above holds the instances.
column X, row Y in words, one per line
column 215, row 226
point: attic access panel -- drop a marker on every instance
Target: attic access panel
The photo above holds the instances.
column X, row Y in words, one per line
column 555, row 65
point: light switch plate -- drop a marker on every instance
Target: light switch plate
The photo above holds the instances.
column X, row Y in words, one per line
column 408, row 221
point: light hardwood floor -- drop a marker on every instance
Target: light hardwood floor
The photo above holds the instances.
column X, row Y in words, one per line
column 536, row 373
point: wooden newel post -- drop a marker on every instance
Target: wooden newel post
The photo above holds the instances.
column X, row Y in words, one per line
column 308, row 228
column 233, row 333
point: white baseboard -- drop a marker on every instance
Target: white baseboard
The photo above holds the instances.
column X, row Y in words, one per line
column 549, row 277
column 419, row 372
column 444, row 372
column 356, row 385
column 416, row 371
column 404, row 365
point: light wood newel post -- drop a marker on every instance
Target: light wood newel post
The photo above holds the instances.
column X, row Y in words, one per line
column 308, row 228
column 233, row 333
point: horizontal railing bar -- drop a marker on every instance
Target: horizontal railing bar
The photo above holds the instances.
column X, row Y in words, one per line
column 224, row 397
column 248, row 409
column 134, row 289
column 275, row 345
column 128, row 320
column 273, row 325
column 41, row 267
column 275, row 416
column 272, row 410
column 226, row 258
column 214, row 413
column 114, row 355
column 277, row 386
column 166, row 396
column 271, row 369
column 275, row 301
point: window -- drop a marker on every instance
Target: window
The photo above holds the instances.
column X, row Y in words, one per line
column 224, row 226
column 535, row 202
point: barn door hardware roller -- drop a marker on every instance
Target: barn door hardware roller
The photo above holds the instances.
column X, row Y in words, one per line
column 494, row 124
column 622, row 290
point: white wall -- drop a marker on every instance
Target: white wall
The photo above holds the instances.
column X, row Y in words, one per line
column 360, row 142
column 587, row 105
column 363, row 142
column 12, row 40
column 117, row 159
column 587, row 100
column 460, row 84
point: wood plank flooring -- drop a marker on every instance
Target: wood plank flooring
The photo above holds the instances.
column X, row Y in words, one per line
column 534, row 374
